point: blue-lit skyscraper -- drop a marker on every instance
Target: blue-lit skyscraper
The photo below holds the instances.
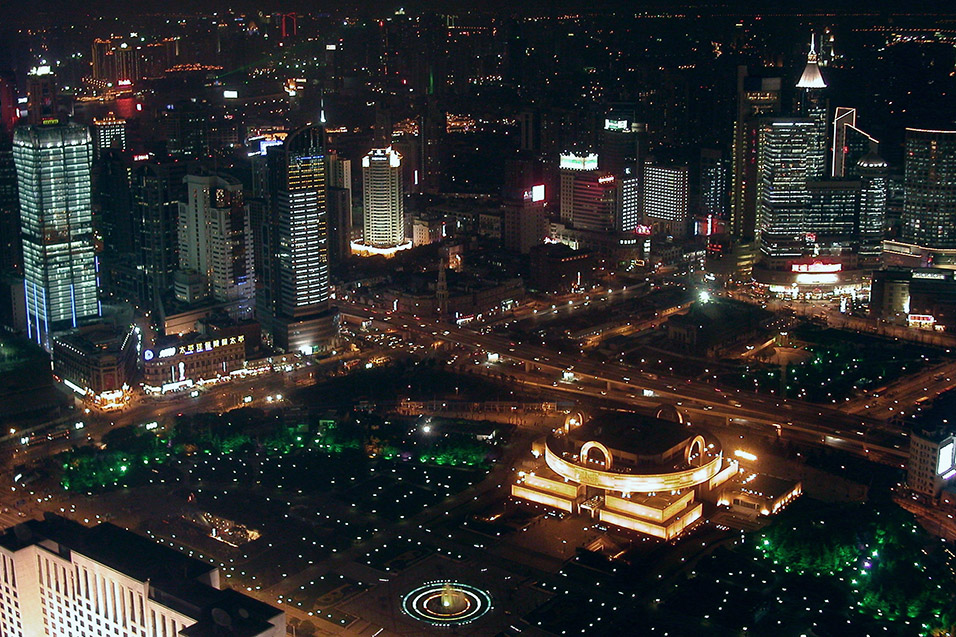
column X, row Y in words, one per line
column 53, row 160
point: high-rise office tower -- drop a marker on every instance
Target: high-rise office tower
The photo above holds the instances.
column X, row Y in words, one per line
column 293, row 302
column 53, row 177
column 589, row 198
column 108, row 132
column 8, row 102
column 42, row 107
column 525, row 220
column 121, row 274
column 666, row 199
column 623, row 141
column 874, row 183
column 832, row 213
column 756, row 97
column 11, row 253
column 157, row 189
column 215, row 241
column 340, row 207
column 813, row 105
column 850, row 144
column 713, row 185
column 929, row 208
column 384, row 201
column 632, row 199
column 782, row 196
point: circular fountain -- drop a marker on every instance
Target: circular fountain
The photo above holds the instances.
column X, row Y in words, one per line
column 446, row 603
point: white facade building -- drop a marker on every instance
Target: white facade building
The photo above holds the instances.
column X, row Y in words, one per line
column 383, row 196
column 215, row 241
column 666, row 203
column 108, row 132
column 61, row 579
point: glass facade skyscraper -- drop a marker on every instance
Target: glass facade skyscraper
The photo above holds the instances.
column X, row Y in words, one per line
column 783, row 168
column 60, row 270
column 929, row 206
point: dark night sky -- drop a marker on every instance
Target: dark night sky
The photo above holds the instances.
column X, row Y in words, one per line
column 25, row 8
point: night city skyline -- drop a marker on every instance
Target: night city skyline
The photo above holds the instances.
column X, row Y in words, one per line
column 451, row 318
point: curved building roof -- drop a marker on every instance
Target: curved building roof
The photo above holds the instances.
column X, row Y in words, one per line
column 872, row 160
column 812, row 77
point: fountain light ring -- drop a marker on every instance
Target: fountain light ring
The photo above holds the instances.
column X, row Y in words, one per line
column 415, row 603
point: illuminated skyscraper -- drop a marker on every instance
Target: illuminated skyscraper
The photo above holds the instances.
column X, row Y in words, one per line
column 713, row 184
column 293, row 302
column 215, row 241
column 56, row 222
column 589, row 198
column 874, row 185
column 756, row 97
column 782, row 196
column 108, row 132
column 813, row 105
column 850, row 144
column 340, row 207
column 384, row 201
column 666, row 199
column 929, row 209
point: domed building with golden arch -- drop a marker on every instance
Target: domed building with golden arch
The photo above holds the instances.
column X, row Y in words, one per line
column 642, row 473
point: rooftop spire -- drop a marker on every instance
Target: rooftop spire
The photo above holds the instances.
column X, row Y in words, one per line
column 812, row 78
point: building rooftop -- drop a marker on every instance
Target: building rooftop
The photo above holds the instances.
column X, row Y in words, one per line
column 175, row 580
column 108, row 544
column 633, row 433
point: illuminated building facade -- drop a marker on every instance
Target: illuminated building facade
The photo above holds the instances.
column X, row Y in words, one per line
column 180, row 362
column 666, row 199
column 757, row 97
column 340, row 207
column 932, row 461
column 814, row 106
column 644, row 474
column 108, row 132
column 293, row 302
column 782, row 195
column 714, row 203
column 60, row 271
column 156, row 190
column 525, row 221
column 917, row 297
column 589, row 198
column 215, row 241
column 61, row 578
column 383, row 195
column 928, row 233
column 874, row 192
column 97, row 362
